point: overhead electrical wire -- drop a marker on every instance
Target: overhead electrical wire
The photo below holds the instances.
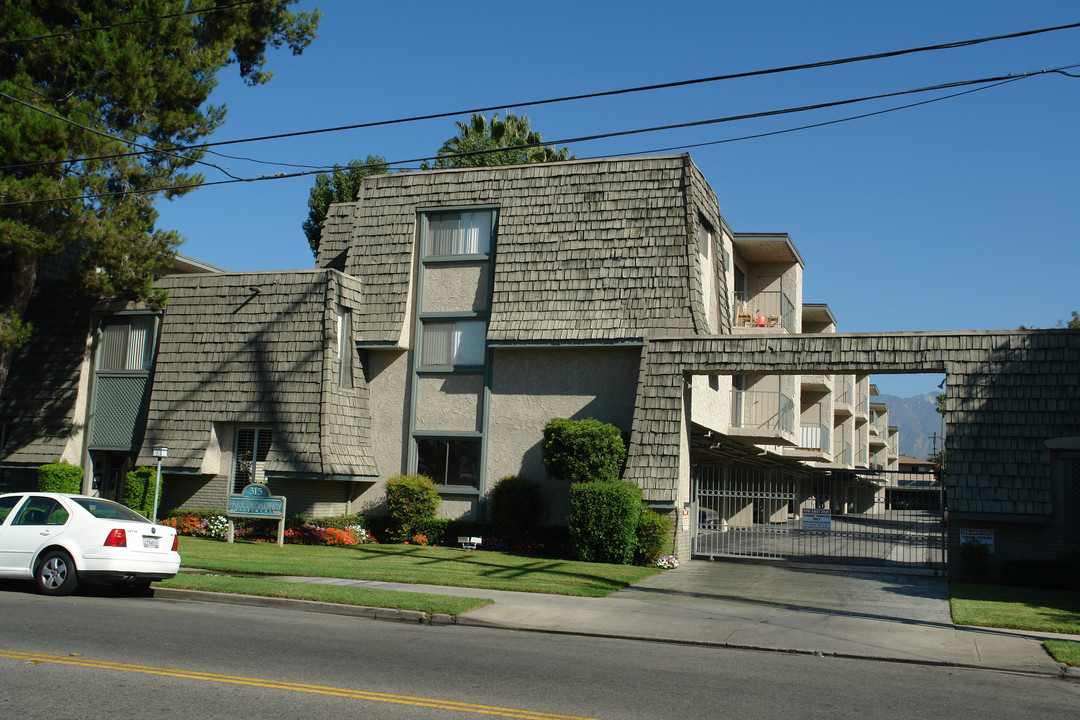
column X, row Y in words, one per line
column 997, row 81
column 606, row 93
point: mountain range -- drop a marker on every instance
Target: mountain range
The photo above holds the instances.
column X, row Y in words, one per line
column 918, row 420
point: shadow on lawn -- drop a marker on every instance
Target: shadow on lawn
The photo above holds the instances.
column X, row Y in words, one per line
column 517, row 567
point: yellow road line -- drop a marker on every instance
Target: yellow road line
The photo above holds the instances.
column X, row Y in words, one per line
column 284, row 685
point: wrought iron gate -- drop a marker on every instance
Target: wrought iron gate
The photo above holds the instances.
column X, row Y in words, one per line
column 860, row 517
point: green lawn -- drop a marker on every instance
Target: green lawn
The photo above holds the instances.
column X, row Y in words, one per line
column 1023, row 609
column 263, row 587
column 414, row 564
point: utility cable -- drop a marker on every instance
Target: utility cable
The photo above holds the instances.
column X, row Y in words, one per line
column 1000, row 80
column 623, row 91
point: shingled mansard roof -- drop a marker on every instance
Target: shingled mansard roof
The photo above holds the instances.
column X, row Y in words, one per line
column 587, row 251
column 256, row 348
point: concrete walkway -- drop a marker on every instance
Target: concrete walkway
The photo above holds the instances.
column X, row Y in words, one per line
column 765, row 606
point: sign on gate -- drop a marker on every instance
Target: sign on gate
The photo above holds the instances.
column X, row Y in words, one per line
column 817, row 519
column 982, row 537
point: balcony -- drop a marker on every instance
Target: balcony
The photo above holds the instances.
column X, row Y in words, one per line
column 842, row 454
column 844, row 400
column 763, row 416
column 768, row 310
column 814, row 443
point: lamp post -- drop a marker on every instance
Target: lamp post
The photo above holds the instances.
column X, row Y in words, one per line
column 160, row 451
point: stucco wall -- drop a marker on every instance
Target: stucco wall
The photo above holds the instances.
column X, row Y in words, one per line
column 533, row 385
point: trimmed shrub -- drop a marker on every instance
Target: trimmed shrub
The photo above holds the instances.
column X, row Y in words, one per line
column 139, row 490
column 583, row 450
column 516, row 506
column 59, row 477
column 653, row 536
column 410, row 499
column 603, row 520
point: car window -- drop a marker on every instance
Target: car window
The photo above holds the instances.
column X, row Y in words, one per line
column 41, row 511
column 109, row 510
column 7, row 504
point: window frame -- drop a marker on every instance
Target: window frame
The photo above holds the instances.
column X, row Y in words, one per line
column 450, row 438
column 254, row 474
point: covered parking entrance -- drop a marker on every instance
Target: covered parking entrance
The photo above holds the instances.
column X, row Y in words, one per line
column 843, row 516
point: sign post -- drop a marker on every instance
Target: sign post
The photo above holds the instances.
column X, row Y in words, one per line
column 160, row 451
column 255, row 501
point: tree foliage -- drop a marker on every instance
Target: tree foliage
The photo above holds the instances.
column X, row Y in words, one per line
column 99, row 102
column 342, row 185
column 501, row 142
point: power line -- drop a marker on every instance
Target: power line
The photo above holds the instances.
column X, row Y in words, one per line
column 140, row 21
column 999, row 80
column 610, row 93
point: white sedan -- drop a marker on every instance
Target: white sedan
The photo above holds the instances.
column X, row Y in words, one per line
column 59, row 540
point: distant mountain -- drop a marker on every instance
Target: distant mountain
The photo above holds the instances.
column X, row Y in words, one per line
column 918, row 419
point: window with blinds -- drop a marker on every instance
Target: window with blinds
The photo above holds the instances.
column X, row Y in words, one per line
column 127, row 343
column 458, row 233
column 252, row 446
column 460, row 342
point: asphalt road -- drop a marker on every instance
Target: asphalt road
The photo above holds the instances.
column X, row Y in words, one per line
column 97, row 655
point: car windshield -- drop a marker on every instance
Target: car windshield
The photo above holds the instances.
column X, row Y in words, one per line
column 109, row 510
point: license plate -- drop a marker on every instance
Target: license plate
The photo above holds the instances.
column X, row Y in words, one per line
column 150, row 542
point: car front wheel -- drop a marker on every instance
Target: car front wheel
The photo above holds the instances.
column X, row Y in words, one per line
column 56, row 574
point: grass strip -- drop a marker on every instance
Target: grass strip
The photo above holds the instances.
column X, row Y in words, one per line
column 1015, row 607
column 263, row 587
column 1064, row 651
column 415, row 564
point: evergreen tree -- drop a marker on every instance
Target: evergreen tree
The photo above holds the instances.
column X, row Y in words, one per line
column 98, row 100
column 342, row 185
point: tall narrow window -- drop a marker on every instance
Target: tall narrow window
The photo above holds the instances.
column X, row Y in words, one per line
column 344, row 347
column 458, row 233
column 252, row 446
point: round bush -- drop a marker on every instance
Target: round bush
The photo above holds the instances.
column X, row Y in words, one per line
column 516, row 507
column 410, row 499
column 583, row 450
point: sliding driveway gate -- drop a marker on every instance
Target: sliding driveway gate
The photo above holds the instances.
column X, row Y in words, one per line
column 855, row 517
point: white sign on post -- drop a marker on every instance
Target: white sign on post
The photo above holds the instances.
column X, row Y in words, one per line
column 973, row 535
column 817, row 519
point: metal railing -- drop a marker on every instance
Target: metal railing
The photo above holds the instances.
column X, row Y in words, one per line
column 814, row 437
column 763, row 409
column 862, row 454
column 846, row 394
column 767, row 309
column 842, row 454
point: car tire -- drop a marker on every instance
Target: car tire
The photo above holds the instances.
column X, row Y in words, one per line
column 55, row 574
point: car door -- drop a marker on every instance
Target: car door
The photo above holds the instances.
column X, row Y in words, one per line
column 30, row 526
column 8, row 503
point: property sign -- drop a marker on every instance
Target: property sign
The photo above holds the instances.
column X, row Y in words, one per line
column 256, row 502
column 817, row 519
column 972, row 535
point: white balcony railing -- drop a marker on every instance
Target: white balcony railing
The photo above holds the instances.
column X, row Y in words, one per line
column 814, row 437
column 762, row 409
column 842, row 454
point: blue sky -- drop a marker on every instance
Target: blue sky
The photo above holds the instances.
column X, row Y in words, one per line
column 956, row 215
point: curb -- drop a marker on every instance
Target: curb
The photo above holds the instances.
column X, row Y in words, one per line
column 413, row 617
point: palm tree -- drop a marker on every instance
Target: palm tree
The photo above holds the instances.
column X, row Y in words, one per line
column 501, row 142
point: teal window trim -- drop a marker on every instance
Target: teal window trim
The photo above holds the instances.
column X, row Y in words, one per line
column 484, row 369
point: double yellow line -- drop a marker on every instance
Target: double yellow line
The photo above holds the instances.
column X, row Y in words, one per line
column 282, row 685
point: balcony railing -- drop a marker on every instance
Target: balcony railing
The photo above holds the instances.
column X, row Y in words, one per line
column 814, row 437
column 845, row 394
column 762, row 409
column 864, row 403
column 842, row 454
column 768, row 309
column 862, row 455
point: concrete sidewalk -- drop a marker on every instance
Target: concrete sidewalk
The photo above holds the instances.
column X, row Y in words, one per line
column 766, row 606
